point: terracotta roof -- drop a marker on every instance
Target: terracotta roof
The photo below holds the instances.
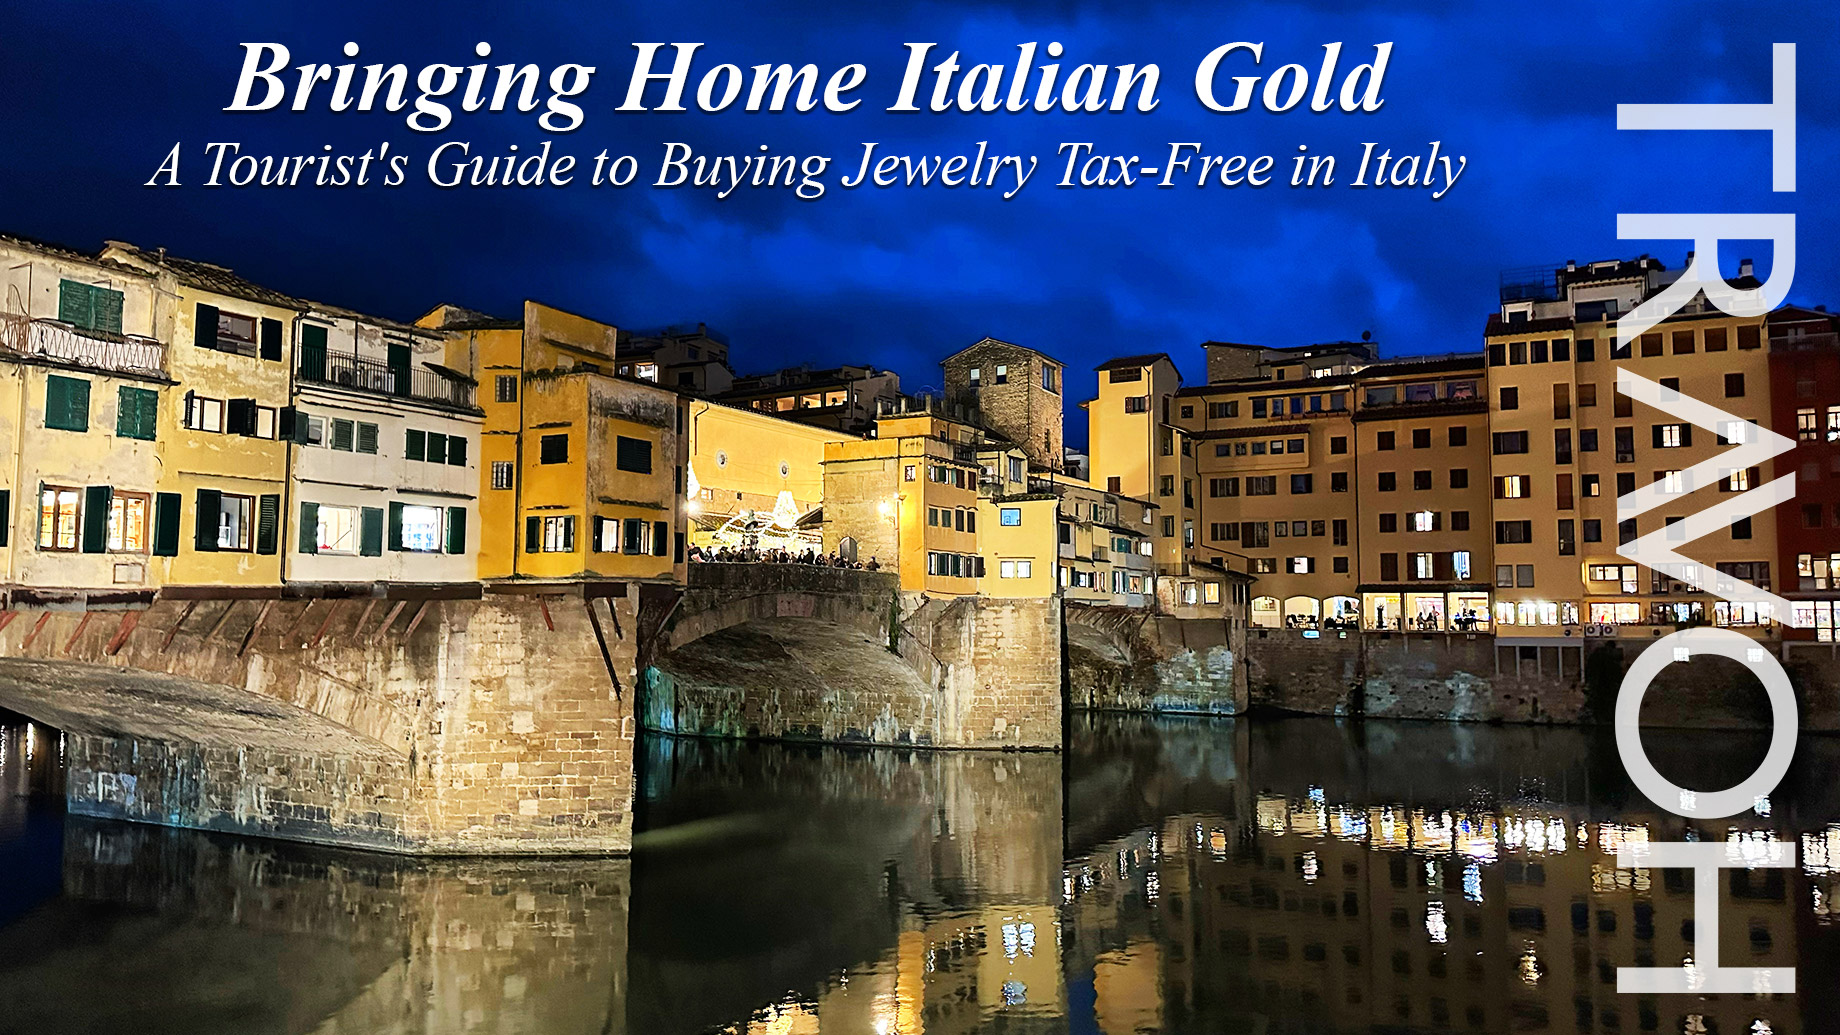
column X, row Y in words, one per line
column 1128, row 362
column 210, row 277
column 72, row 254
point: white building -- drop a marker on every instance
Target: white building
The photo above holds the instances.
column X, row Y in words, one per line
column 385, row 467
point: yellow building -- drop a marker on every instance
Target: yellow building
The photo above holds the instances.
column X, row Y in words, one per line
column 1139, row 449
column 755, row 477
column 82, row 383
column 911, row 494
column 581, row 471
column 1566, row 445
column 222, row 440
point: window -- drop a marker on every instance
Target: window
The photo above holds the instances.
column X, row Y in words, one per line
column 1384, row 440
column 1218, row 531
column 1339, row 532
column 1504, row 576
column 1807, row 427
column 59, row 509
column 1002, row 375
column 1459, row 521
column 1741, row 528
column 549, row 534
column 66, row 403
column 505, row 388
column 235, row 522
column 1421, row 438
column 1459, row 477
column 1169, row 526
column 1514, row 531
column 1136, row 404
column 975, row 377
column 130, row 514
column 1048, row 378
column 630, row 454
column 1009, row 516
column 1389, row 481
column 1625, row 444
column 1734, row 386
column 1587, row 440
column 1389, row 522
column 1166, row 485
column 336, row 530
column 415, row 529
column 1424, row 520
column 1302, row 484
column 1421, row 480
column 344, row 435
column 1418, row 566
column 1510, row 442
column 367, row 438
column 1389, row 567
column 1017, row 569
column 1338, row 444
column 1300, row 565
column 1510, row 398
column 137, row 413
column 1673, row 436
column 1218, row 410
column 552, row 449
column 89, row 307
column 1513, row 487
column 1265, row 485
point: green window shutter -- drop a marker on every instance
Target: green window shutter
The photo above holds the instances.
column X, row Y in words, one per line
column 106, row 309
column 342, row 434
column 456, row 529
column 137, row 413
column 271, row 339
column 370, row 532
column 66, row 403
column 437, row 448
column 367, row 438
column 456, row 451
column 533, row 535
column 6, row 517
column 268, row 524
column 210, row 512
column 415, row 445
column 309, row 528
column 75, row 305
column 166, row 507
column 661, row 538
column 396, row 523
column 96, row 502
column 312, row 352
column 204, row 326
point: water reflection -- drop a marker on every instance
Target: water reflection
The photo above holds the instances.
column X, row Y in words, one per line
column 1160, row 876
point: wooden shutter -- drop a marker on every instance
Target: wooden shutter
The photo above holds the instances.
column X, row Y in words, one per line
column 96, row 502
column 268, row 524
column 312, row 352
column 456, row 529
column 286, row 424
column 370, row 532
column 66, row 403
column 437, row 448
column 396, row 526
column 533, row 535
column 105, row 309
column 74, row 305
column 271, row 339
column 210, row 512
column 309, row 528
column 138, row 415
column 240, row 417
column 661, row 538
column 456, row 451
column 367, row 438
column 166, row 507
column 415, row 444
column 204, row 326
column 6, row 517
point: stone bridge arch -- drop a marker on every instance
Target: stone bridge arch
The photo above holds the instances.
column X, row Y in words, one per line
column 839, row 655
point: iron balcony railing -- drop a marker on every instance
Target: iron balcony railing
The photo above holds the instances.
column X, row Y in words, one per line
column 66, row 343
column 371, row 376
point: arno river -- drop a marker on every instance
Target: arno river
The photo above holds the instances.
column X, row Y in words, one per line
column 1160, row 876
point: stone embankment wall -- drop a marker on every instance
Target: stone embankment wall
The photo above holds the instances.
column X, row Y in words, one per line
column 1474, row 678
column 1121, row 659
column 494, row 726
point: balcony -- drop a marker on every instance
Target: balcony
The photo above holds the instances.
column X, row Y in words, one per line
column 367, row 375
column 61, row 342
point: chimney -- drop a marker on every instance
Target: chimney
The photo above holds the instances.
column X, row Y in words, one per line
column 1571, row 265
column 1744, row 267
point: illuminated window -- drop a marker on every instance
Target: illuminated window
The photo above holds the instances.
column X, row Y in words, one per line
column 338, row 530
column 421, row 529
column 58, row 511
column 128, row 515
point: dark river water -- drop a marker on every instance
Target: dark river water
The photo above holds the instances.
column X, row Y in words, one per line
column 1293, row 875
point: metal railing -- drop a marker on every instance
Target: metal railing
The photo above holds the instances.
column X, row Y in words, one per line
column 66, row 343
column 371, row 376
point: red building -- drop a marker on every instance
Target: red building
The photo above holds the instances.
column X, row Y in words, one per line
column 1805, row 405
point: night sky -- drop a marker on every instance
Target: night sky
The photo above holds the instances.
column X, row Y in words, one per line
column 901, row 277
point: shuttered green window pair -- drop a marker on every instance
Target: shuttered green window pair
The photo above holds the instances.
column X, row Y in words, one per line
column 66, row 403
column 89, row 307
column 137, row 413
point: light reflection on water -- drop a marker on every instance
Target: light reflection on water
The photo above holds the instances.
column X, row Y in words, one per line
column 1160, row 876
